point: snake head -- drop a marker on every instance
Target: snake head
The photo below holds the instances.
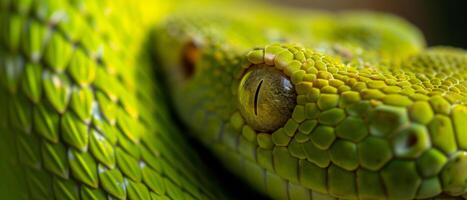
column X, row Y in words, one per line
column 298, row 122
column 363, row 128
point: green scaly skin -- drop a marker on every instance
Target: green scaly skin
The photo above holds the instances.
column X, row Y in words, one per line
column 82, row 117
column 377, row 116
column 81, row 114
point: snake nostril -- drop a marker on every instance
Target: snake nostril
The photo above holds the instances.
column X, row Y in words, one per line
column 412, row 140
column 190, row 54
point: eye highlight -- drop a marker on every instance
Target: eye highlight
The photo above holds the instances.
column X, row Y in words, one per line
column 266, row 97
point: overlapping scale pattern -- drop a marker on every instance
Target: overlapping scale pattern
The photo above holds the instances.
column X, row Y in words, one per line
column 373, row 129
column 82, row 116
column 371, row 137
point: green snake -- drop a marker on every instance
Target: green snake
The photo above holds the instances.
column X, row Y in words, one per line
column 297, row 104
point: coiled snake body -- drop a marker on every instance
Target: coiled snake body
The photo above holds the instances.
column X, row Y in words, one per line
column 298, row 104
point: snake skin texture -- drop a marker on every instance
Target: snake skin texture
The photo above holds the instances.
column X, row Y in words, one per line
column 359, row 107
column 386, row 123
column 81, row 114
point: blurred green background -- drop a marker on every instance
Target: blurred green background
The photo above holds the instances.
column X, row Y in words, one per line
column 442, row 22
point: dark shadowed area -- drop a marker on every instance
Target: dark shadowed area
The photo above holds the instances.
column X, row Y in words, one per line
column 442, row 22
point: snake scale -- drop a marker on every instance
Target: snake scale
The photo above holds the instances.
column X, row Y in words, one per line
column 298, row 104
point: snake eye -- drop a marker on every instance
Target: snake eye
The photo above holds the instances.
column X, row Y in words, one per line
column 267, row 98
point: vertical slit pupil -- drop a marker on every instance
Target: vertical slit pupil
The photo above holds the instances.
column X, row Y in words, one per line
column 256, row 96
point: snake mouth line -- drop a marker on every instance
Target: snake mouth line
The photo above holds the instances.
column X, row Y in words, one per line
column 256, row 96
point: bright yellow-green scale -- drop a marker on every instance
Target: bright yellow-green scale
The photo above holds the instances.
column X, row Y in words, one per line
column 299, row 104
